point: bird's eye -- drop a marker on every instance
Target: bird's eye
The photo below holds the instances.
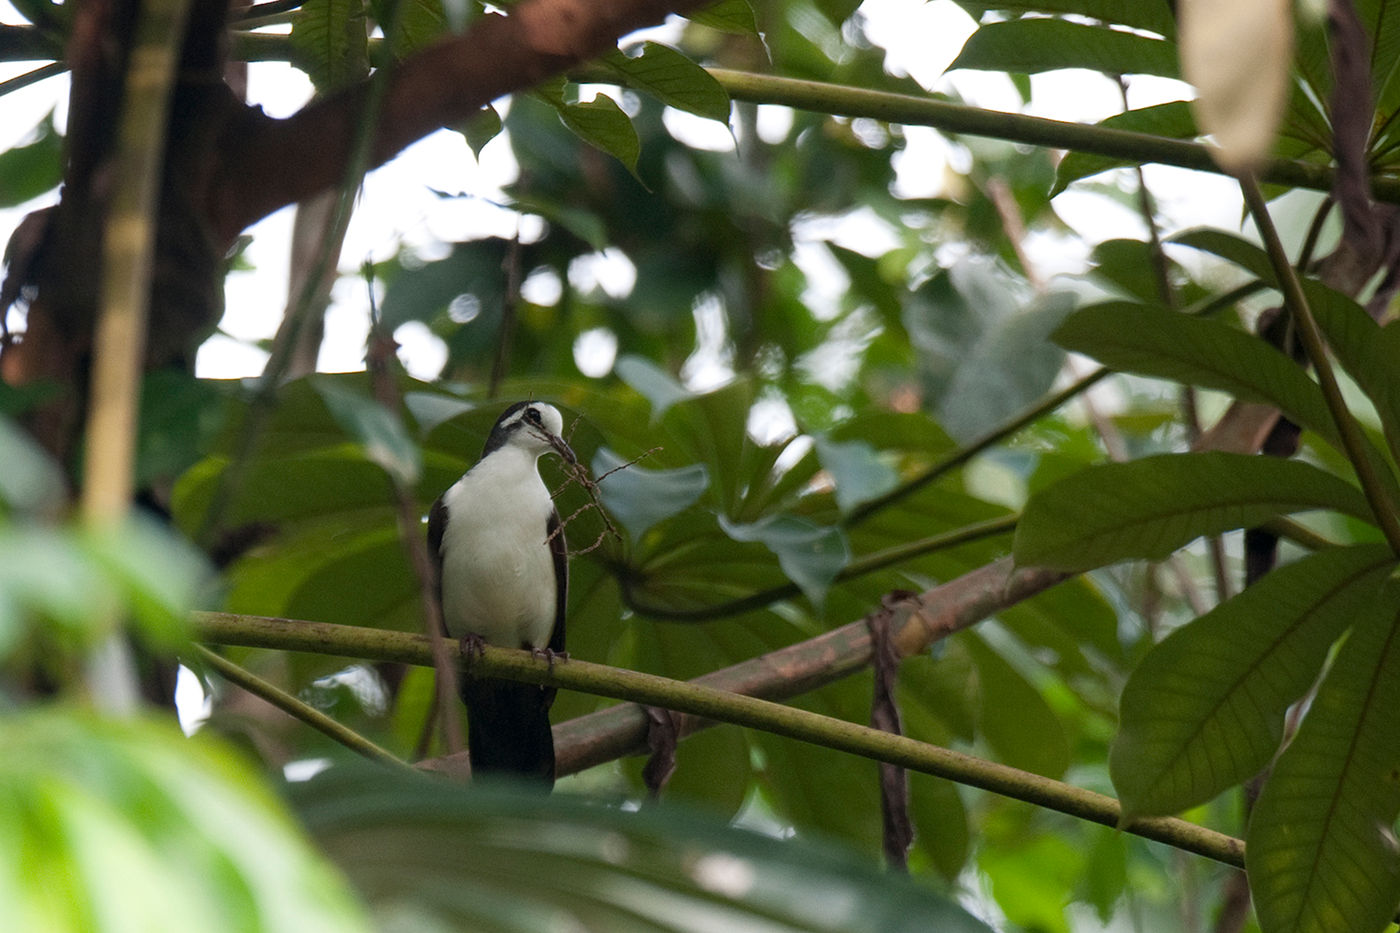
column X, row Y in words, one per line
column 532, row 415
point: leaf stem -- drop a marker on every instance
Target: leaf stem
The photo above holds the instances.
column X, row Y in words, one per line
column 917, row 110
column 1367, row 471
column 297, row 709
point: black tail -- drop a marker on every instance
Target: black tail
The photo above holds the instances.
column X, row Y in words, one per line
column 508, row 728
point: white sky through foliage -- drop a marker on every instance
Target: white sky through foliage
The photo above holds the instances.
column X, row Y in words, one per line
column 399, row 208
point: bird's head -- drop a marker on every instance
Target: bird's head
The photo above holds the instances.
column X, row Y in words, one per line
column 535, row 427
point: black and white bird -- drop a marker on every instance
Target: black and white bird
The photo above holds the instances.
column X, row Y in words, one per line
column 504, row 576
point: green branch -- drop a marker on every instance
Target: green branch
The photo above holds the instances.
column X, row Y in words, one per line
column 1367, row 470
column 711, row 703
column 294, row 707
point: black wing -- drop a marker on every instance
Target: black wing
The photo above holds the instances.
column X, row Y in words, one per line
column 437, row 524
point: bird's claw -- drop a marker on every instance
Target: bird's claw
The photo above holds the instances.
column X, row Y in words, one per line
column 549, row 656
column 472, row 646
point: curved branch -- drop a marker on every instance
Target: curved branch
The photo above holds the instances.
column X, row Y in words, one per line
column 267, row 163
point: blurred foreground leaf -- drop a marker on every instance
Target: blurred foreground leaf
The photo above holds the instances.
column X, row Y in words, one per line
column 488, row 858
column 128, row 825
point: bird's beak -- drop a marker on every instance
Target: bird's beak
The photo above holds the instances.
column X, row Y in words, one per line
column 562, row 448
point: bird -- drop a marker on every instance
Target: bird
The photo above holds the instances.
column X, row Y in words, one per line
column 503, row 578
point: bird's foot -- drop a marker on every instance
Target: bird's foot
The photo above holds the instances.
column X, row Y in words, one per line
column 549, row 656
column 472, row 647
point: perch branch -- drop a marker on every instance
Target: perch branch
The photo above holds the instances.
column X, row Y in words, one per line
column 712, row 703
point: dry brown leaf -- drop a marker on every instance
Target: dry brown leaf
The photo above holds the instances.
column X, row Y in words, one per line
column 1237, row 54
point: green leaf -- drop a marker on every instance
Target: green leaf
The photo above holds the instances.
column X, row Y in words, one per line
column 46, row 573
column 733, row 16
column 810, row 554
column 380, row 431
column 419, row 23
column 671, row 78
column 1229, row 246
column 1011, row 365
column 34, row 168
column 422, row 293
column 600, row 122
column 180, row 416
column 1032, row 46
column 481, row 128
column 30, row 481
column 1014, row 718
column 1205, row 709
column 132, row 826
column 484, row 858
column 331, row 36
column 651, row 381
column 1320, row 851
column 1366, row 351
column 639, row 498
column 159, row 574
column 980, row 345
column 856, row 469
column 1151, row 17
column 1150, row 507
column 430, row 409
column 1155, row 342
column 1172, row 120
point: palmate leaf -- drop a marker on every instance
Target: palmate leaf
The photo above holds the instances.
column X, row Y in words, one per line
column 488, row 859
column 1320, row 851
column 1204, row 710
column 1150, row 507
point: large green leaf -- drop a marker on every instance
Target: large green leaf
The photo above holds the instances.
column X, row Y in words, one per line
column 1030, row 46
column 1014, row 718
column 1150, row 507
column 129, row 825
column 1155, row 342
column 1320, row 851
column 1205, row 709
column 487, row 859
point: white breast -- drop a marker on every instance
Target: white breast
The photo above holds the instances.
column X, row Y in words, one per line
column 498, row 573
